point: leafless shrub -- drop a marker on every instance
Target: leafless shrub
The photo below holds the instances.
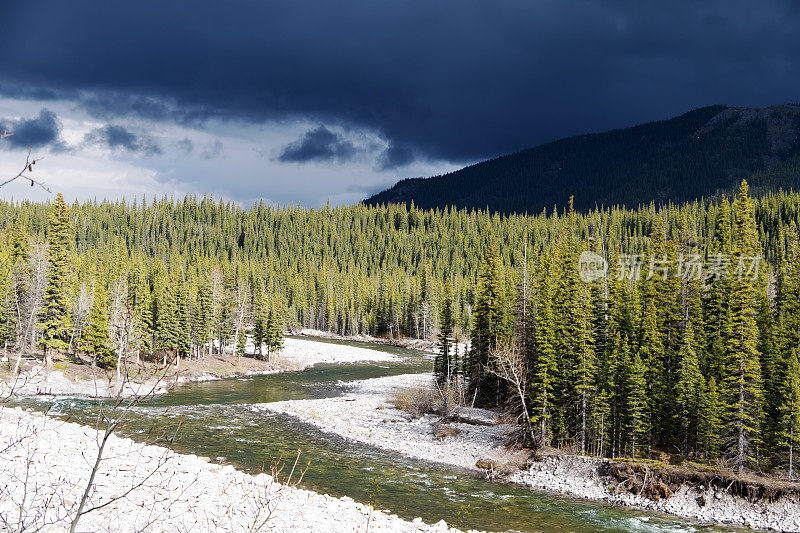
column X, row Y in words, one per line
column 39, row 505
column 262, row 501
column 509, row 364
column 416, row 400
column 450, row 396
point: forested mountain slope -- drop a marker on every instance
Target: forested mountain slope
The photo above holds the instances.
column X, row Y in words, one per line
column 699, row 154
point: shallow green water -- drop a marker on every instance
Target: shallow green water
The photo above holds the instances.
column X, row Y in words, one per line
column 219, row 421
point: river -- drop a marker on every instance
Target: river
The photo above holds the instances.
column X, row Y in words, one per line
column 217, row 421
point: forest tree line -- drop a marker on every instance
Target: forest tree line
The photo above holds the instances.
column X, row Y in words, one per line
column 686, row 346
column 615, row 366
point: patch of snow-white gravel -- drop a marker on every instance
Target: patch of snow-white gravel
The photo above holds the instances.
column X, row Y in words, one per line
column 365, row 415
column 297, row 354
column 45, row 465
column 38, row 381
column 306, row 353
column 579, row 476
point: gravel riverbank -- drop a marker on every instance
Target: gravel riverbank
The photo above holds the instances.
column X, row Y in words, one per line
column 364, row 414
column 297, row 354
column 45, row 464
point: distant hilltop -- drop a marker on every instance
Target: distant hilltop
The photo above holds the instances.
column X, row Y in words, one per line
column 699, row 154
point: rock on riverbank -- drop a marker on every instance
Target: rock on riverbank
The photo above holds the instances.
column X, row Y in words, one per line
column 45, row 464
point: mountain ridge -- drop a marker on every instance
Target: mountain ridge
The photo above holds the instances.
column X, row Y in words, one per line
column 698, row 154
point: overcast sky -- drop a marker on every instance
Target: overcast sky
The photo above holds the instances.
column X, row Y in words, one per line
column 308, row 102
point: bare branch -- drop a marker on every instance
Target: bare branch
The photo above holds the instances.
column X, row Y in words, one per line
column 509, row 364
column 26, row 173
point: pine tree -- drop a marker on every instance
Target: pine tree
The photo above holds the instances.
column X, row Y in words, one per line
column 688, row 390
column 488, row 331
column 56, row 325
column 637, row 425
column 709, row 419
column 788, row 410
column 260, row 326
column 95, row 339
column 275, row 322
column 241, row 342
column 545, row 369
column 443, row 364
column 742, row 393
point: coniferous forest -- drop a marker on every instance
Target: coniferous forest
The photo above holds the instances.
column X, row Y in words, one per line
column 668, row 329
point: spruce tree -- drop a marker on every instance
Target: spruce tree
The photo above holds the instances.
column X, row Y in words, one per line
column 443, row 363
column 260, row 324
column 56, row 324
column 583, row 386
column 688, row 390
column 167, row 324
column 241, row 342
column 544, row 371
column 709, row 419
column 96, row 341
column 717, row 296
column 183, row 344
column 202, row 315
column 636, row 401
column 488, row 330
column 651, row 352
column 275, row 322
column 742, row 393
column 7, row 315
column 788, row 411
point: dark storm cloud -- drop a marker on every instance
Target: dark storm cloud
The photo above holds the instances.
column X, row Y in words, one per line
column 456, row 80
column 36, row 132
column 395, row 156
column 319, row 144
column 119, row 137
column 30, row 93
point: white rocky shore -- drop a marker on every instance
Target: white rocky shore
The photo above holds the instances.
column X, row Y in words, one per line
column 363, row 414
column 579, row 476
column 420, row 345
column 307, row 353
column 297, row 354
column 45, row 464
